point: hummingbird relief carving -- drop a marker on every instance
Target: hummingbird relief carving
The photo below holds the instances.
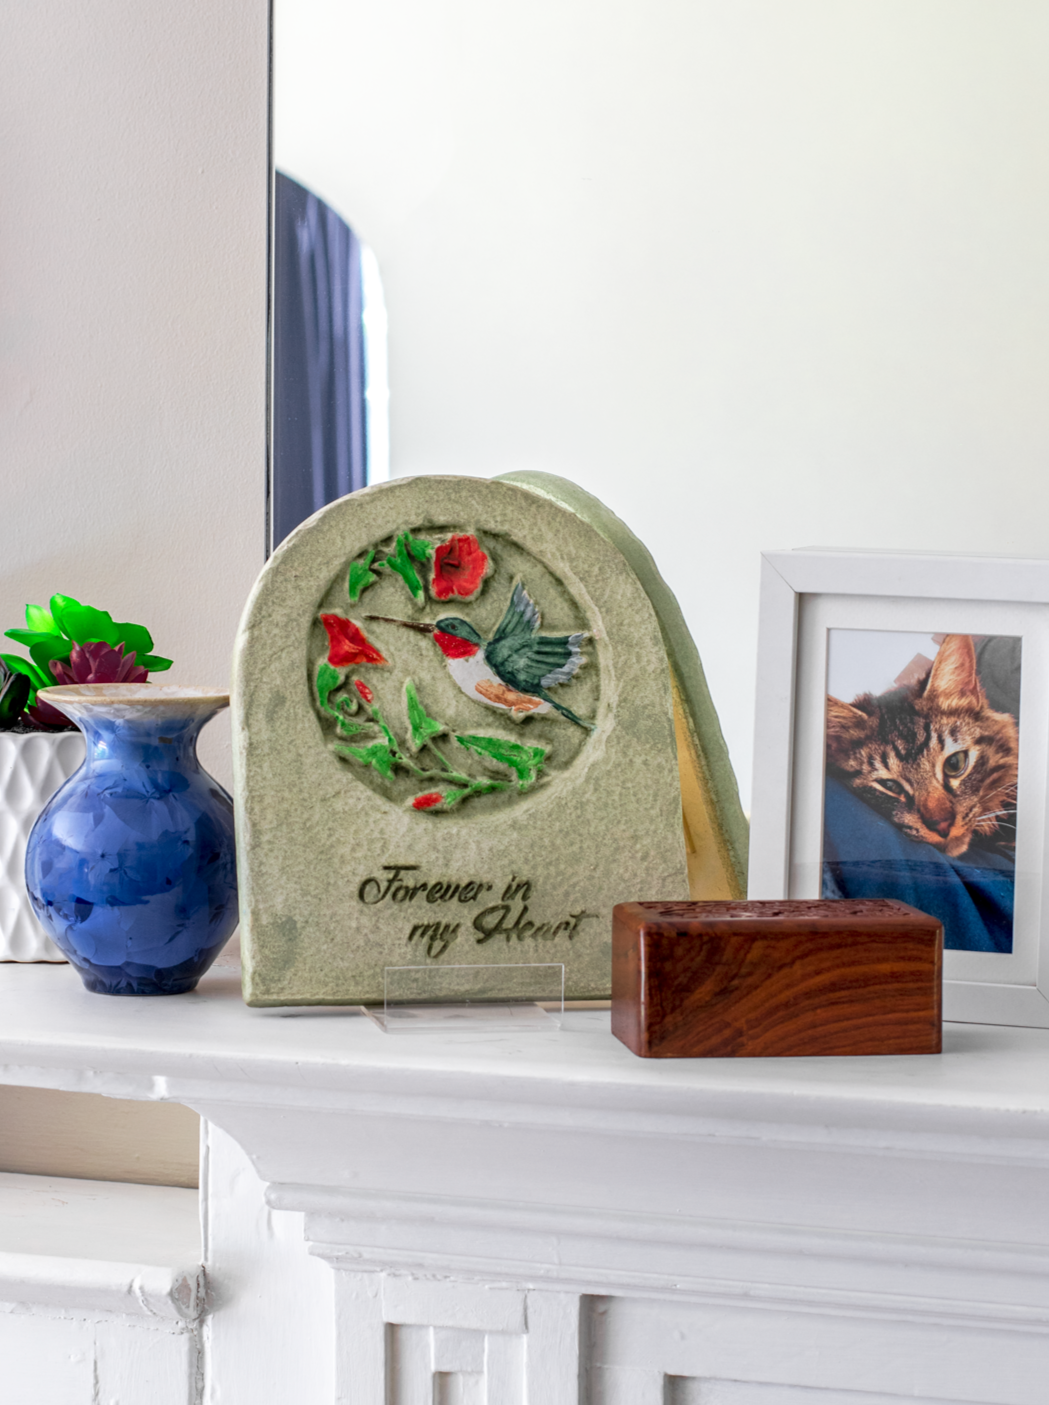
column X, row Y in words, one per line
column 512, row 671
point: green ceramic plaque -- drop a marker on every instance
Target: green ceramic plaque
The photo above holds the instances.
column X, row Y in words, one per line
column 454, row 743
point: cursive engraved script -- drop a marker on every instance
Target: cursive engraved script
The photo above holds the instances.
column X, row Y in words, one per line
column 401, row 885
column 393, row 887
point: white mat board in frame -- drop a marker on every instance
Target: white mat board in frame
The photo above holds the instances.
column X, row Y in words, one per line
column 805, row 595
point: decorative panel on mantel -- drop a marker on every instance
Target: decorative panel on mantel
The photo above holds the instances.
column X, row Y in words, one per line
column 439, row 1341
column 662, row 1352
column 404, row 1340
column 452, row 1366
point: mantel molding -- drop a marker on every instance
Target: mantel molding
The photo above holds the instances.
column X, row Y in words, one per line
column 883, row 1275
column 849, row 1120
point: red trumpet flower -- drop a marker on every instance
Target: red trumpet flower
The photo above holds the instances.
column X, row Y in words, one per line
column 347, row 645
column 459, row 567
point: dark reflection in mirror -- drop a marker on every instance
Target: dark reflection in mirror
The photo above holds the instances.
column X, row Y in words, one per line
column 320, row 420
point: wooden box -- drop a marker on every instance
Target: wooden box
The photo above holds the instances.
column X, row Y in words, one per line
column 750, row 979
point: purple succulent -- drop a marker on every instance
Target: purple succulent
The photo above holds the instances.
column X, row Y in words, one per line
column 87, row 663
column 98, row 663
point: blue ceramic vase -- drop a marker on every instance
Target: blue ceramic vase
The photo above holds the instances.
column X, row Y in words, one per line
column 131, row 865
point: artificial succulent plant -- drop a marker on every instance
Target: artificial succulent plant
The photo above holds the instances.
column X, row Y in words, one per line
column 70, row 643
column 14, row 694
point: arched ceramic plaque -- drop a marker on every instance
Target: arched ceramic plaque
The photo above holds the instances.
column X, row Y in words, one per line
column 454, row 744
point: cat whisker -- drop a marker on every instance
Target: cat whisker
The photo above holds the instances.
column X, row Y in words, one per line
column 991, row 813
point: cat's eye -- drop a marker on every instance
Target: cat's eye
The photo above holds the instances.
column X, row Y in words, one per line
column 893, row 787
column 956, row 764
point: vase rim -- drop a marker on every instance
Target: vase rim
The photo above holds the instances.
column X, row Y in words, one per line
column 135, row 695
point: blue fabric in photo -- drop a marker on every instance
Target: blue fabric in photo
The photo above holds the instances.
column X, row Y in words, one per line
column 866, row 856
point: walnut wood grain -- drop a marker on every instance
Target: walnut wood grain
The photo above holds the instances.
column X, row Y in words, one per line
column 754, row 979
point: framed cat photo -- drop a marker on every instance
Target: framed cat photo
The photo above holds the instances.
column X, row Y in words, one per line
column 902, row 751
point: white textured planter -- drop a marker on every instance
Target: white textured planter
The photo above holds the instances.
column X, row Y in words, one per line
column 32, row 767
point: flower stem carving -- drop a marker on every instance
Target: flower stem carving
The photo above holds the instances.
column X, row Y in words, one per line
column 358, row 714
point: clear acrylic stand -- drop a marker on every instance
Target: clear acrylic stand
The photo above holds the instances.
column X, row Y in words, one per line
column 474, row 999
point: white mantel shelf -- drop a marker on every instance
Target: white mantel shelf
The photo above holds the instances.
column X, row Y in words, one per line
column 835, row 1203
column 990, row 1082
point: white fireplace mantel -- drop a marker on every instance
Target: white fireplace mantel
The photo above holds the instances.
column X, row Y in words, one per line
column 544, row 1218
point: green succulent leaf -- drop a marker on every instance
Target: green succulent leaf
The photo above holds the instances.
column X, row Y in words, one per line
column 31, row 638
column 421, row 725
column 84, row 624
column 402, row 558
column 40, row 621
column 42, row 655
column 14, row 696
column 381, row 755
column 37, row 677
column 135, row 637
column 361, row 577
column 49, row 647
column 526, row 762
column 154, row 662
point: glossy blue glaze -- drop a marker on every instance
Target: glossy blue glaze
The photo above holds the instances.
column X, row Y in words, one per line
column 131, row 865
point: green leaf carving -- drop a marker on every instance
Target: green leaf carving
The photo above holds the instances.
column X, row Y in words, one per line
column 526, row 762
column 346, row 725
column 361, row 576
column 453, row 797
column 450, row 798
column 400, row 560
column 380, row 755
column 328, row 679
column 421, row 726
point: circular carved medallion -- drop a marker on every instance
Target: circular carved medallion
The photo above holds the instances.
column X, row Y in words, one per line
column 451, row 670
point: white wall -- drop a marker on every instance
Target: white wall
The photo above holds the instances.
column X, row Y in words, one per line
column 132, row 332
column 756, row 272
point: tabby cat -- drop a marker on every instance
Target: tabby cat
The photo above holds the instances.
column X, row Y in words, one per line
column 933, row 758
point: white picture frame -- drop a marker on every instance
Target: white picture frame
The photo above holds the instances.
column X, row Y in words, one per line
column 807, row 593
